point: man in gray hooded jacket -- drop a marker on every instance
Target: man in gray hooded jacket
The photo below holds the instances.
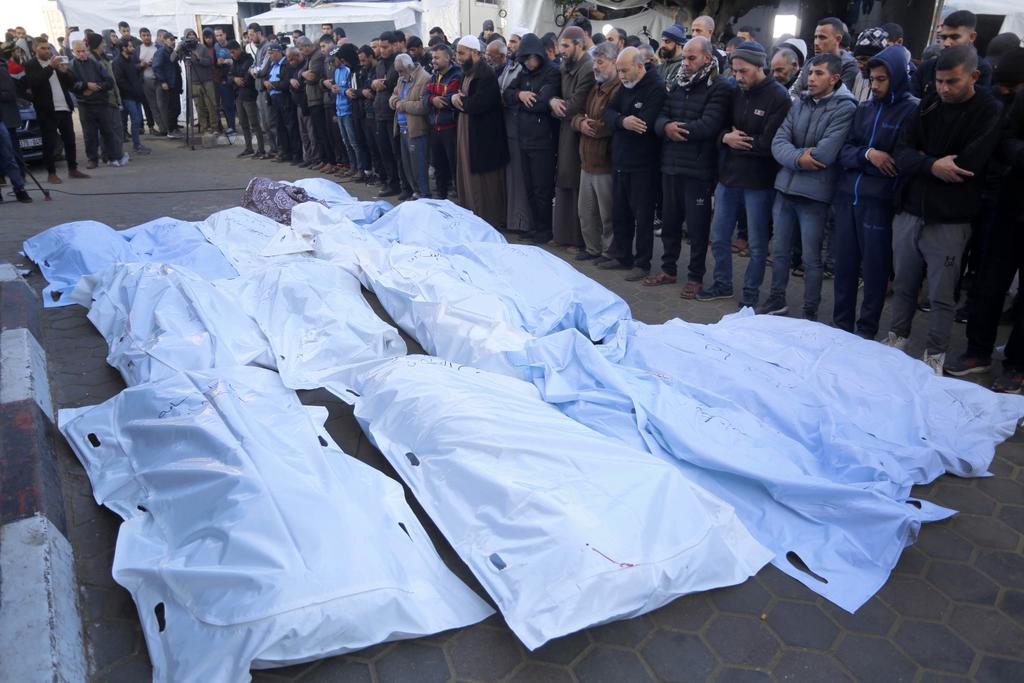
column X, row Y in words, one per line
column 807, row 146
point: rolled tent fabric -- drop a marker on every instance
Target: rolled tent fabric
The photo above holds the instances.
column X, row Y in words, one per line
column 848, row 534
column 563, row 527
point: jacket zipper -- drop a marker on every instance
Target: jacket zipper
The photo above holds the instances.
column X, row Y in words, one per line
column 871, row 140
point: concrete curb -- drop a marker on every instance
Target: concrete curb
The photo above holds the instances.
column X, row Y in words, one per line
column 40, row 626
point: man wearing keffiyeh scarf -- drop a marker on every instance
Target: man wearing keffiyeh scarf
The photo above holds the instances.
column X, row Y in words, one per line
column 691, row 119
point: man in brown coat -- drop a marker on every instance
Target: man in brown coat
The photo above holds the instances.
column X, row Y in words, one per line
column 577, row 82
column 411, row 122
column 595, row 156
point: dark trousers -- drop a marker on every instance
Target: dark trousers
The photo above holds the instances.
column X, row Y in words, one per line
column 57, row 127
column 226, row 97
column 690, row 200
column 389, row 165
column 170, row 105
column 538, row 166
column 396, row 149
column 147, row 110
column 863, row 249
column 248, row 118
column 289, row 144
column 100, row 121
column 633, row 216
column 369, row 127
column 322, row 135
column 336, row 154
column 442, row 158
column 1004, row 257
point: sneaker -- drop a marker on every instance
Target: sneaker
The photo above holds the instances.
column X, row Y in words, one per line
column 715, row 291
column 91, row 165
column 245, row 153
column 143, row 150
column 967, row 365
column 828, row 274
column 404, row 196
column 123, row 161
column 601, row 259
column 776, row 305
column 304, row 164
column 613, row 264
column 174, row 135
column 54, row 179
column 636, row 274
column 78, row 174
column 810, row 315
column 1010, row 382
column 585, row 256
column 924, row 306
column 935, row 361
column 657, row 233
column 895, row 341
column 387, row 192
column 22, row 196
column 541, row 238
column 798, row 271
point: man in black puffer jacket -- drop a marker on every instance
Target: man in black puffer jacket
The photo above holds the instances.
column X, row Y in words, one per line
column 128, row 76
column 528, row 96
column 694, row 113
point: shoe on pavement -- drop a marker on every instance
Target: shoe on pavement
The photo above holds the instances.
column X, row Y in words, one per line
column 715, row 291
column 601, row 259
column 143, row 150
column 776, row 305
column 1010, row 382
column 935, row 361
column 22, row 196
column 54, row 179
column 404, row 196
column 304, row 164
column 810, row 315
column 657, row 233
column 613, row 264
column 967, row 365
column 895, row 341
column 541, row 238
column 174, row 135
column 636, row 274
column 388, row 192
column 78, row 174
column 91, row 165
column 245, row 153
column 585, row 256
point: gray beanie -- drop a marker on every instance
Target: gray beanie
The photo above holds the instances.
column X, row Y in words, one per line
column 750, row 51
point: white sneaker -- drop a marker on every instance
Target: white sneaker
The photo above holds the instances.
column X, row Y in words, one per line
column 123, row 161
column 897, row 342
column 935, row 361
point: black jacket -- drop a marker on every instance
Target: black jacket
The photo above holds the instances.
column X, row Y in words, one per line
column 481, row 106
column 703, row 108
column 970, row 130
column 10, row 117
column 385, row 69
column 923, row 82
column 758, row 112
column 1011, row 153
column 37, row 80
column 166, row 70
column 91, row 71
column 535, row 126
column 635, row 151
column 240, row 69
column 128, row 77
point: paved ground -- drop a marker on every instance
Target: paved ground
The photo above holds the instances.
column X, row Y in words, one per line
column 953, row 609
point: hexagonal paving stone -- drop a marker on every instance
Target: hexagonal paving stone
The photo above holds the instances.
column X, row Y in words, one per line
column 484, row 652
column 987, row 532
column 934, row 646
column 942, row 543
column 964, row 499
column 535, row 672
column 625, row 632
column 731, row 675
column 782, row 585
column 561, row 650
column 874, row 617
column 1012, row 604
column 129, row 670
column 111, row 641
column 411, row 661
column 1006, row 568
column 912, row 562
column 995, row 670
column 802, row 625
column 1013, row 516
column 604, row 664
column 962, row 582
column 677, row 657
column 875, row 659
column 988, row 630
column 746, row 641
column 750, row 597
column 936, row 677
column 1003, row 489
column 914, row 598
column 808, row 667
column 340, row 670
column 688, row 613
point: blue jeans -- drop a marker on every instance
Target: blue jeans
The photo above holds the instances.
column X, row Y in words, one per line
column 414, row 160
column 730, row 203
column 134, row 110
column 353, row 145
column 798, row 215
column 9, row 161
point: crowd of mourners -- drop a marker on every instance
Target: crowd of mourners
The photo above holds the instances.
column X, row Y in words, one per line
column 896, row 177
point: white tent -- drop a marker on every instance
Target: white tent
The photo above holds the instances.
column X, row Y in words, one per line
column 173, row 15
column 361, row 20
column 1012, row 12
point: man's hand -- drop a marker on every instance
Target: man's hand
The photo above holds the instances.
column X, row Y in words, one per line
column 589, row 128
column 295, row 83
column 164, row 87
column 377, row 84
column 269, row 85
column 883, row 161
column 945, row 169
column 528, row 98
column 557, row 107
column 634, row 124
column 437, row 102
column 457, row 101
column 738, row 140
column 309, row 75
column 675, row 132
column 399, row 106
column 809, row 163
column 93, row 87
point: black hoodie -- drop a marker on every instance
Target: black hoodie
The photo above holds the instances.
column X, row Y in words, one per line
column 537, row 129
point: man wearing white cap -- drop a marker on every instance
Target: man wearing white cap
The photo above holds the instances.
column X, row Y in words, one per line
column 481, row 144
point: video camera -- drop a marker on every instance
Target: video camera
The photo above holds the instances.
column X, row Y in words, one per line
column 188, row 45
column 283, row 38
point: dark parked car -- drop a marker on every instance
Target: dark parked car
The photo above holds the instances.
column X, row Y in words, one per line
column 30, row 137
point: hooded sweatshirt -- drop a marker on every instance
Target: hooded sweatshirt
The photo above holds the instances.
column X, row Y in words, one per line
column 877, row 124
column 822, row 124
column 535, row 127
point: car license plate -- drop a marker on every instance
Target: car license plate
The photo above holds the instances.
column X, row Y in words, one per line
column 30, row 142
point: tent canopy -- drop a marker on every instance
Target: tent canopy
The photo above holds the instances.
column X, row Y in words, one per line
column 399, row 13
column 174, row 15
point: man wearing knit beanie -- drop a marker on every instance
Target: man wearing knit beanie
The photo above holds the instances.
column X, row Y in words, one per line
column 671, row 52
column 869, row 43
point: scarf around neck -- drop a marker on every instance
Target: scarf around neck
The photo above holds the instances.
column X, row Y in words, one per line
column 708, row 73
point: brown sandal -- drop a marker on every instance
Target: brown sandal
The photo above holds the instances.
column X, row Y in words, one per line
column 659, row 279
column 738, row 246
column 690, row 290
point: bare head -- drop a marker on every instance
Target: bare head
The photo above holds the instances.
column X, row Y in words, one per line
column 696, row 54
column 785, row 66
column 630, row 66
column 703, row 26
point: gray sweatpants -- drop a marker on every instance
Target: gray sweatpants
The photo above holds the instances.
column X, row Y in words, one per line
column 939, row 247
column 595, row 209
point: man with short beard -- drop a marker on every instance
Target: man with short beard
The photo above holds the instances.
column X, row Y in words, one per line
column 150, row 103
column 51, row 81
column 519, row 218
column 367, row 72
column 671, row 52
column 496, row 54
column 785, row 67
column 95, row 114
column 577, row 81
column 445, row 82
column 385, row 78
column 595, row 194
column 481, row 144
column 631, row 114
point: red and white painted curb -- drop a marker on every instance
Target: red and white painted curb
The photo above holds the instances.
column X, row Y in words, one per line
column 40, row 626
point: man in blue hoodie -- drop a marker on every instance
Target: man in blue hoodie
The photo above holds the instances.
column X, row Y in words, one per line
column 864, row 206
column 807, row 147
